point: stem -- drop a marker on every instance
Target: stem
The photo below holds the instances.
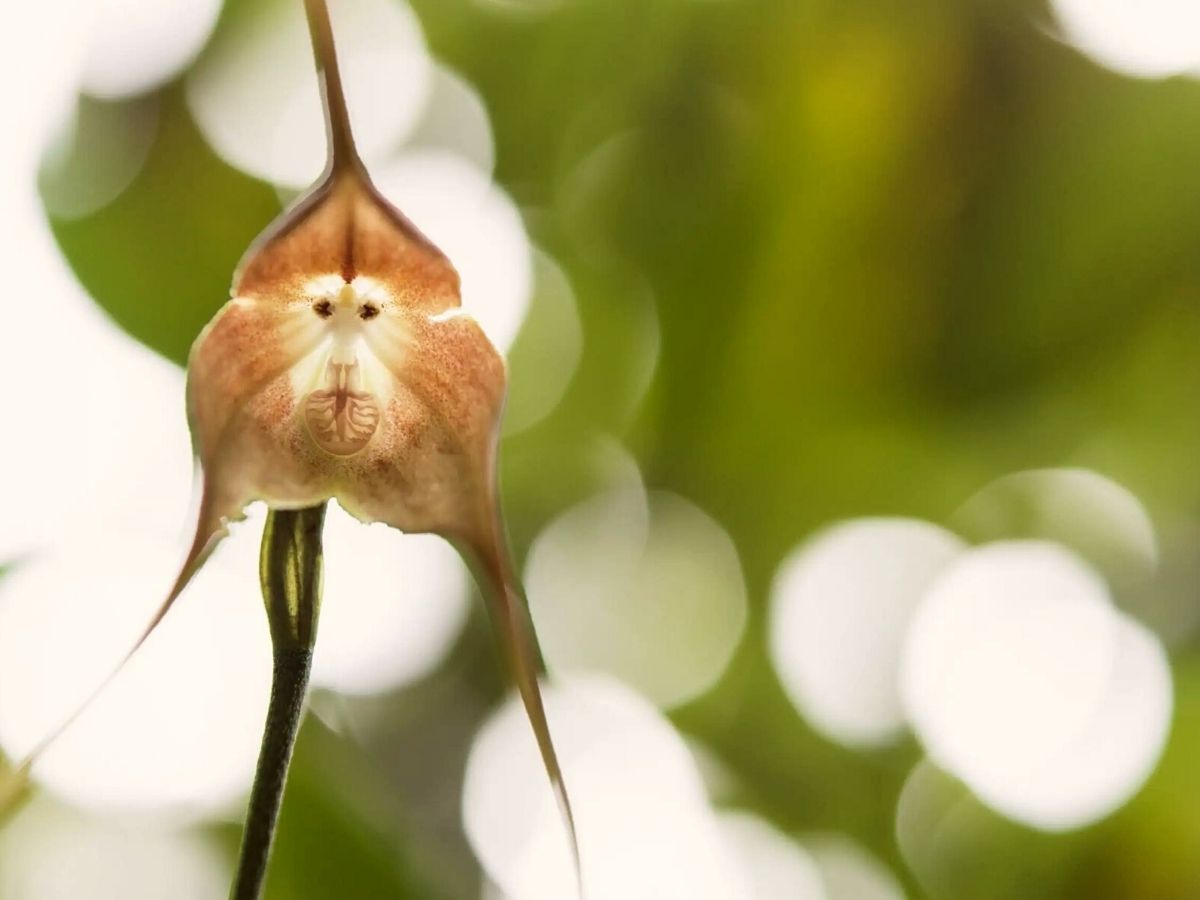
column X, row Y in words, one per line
column 279, row 737
column 343, row 153
column 290, row 569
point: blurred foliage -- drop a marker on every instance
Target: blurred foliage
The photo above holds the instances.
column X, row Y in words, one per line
column 893, row 251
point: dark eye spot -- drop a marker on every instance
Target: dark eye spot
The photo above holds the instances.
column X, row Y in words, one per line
column 368, row 311
column 323, row 308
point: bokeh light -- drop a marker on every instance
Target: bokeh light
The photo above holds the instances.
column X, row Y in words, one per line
column 1149, row 39
column 775, row 866
column 476, row 225
column 722, row 783
column 455, row 118
column 849, row 872
column 178, row 729
column 98, row 153
column 254, row 91
column 696, row 294
column 840, row 608
column 933, row 810
column 547, row 351
column 100, row 435
column 39, row 86
column 646, row 588
column 1009, row 655
column 1095, row 516
column 646, row 830
column 48, row 852
column 1015, row 665
column 1111, row 757
column 136, row 45
column 117, row 452
column 393, row 605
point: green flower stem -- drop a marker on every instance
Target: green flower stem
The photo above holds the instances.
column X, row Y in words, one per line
column 290, row 570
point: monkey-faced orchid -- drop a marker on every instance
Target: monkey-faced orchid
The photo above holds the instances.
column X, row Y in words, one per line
column 344, row 368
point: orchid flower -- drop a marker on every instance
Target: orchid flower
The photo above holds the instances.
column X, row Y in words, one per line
column 345, row 368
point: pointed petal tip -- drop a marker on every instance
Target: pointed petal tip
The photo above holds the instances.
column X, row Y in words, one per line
column 489, row 557
column 209, row 533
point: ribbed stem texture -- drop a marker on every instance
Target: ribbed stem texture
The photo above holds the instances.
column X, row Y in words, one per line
column 290, row 569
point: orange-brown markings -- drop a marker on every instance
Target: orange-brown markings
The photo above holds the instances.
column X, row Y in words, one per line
column 347, row 228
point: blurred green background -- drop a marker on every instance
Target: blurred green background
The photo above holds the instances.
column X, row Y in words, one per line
column 893, row 251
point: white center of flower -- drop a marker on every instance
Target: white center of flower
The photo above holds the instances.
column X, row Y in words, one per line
column 343, row 384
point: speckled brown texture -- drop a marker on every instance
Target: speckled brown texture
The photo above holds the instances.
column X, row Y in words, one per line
column 346, row 227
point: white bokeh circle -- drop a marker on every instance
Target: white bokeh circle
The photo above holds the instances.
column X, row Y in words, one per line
column 136, row 45
column 840, row 608
column 646, row 588
column 1022, row 679
column 933, row 812
column 392, row 605
column 1148, row 39
column 102, row 440
column 547, row 350
column 850, row 872
column 455, row 119
column 39, row 86
column 51, row 853
column 96, row 154
column 255, row 97
column 1101, row 520
column 118, row 456
column 645, row 828
column 178, row 730
column 1008, row 657
column 475, row 224
column 1111, row 758
column 105, row 444
column 774, row 866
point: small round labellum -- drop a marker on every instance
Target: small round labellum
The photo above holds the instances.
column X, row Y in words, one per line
column 340, row 419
